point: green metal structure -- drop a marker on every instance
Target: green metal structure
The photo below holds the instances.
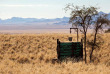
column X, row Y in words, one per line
column 70, row 49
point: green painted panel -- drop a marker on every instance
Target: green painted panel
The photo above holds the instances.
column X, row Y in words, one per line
column 66, row 49
column 66, row 53
column 65, row 43
column 65, row 46
column 78, row 50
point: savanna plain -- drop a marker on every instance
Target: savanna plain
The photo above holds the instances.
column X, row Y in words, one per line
column 34, row 54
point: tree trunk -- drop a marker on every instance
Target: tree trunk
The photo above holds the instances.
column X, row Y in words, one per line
column 85, row 46
column 93, row 46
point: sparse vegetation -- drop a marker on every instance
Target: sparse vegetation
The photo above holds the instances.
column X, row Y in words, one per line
column 34, row 54
column 107, row 31
column 82, row 18
column 101, row 20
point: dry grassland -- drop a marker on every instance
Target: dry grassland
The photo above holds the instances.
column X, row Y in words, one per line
column 33, row 54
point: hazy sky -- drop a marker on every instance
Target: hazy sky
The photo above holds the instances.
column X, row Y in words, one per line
column 44, row 8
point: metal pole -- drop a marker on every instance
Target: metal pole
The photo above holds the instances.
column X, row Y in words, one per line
column 77, row 35
column 70, row 30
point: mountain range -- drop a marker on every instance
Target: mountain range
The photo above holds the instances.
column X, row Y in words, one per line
column 35, row 21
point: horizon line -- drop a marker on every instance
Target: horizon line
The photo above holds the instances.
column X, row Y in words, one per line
column 31, row 17
column 40, row 18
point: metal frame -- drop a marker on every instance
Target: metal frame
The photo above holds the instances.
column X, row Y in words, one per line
column 77, row 32
column 73, row 47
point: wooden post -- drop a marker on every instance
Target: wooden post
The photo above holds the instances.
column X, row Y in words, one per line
column 72, row 50
column 81, row 41
column 77, row 35
column 82, row 49
column 58, row 49
column 57, row 41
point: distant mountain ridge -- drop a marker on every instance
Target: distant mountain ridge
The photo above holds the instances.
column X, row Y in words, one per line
column 19, row 20
column 28, row 21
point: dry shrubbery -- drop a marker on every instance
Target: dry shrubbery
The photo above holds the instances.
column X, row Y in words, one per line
column 107, row 31
column 34, row 54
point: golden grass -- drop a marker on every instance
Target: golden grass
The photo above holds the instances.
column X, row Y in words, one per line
column 33, row 54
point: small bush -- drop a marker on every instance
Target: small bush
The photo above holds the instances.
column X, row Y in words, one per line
column 23, row 60
column 107, row 31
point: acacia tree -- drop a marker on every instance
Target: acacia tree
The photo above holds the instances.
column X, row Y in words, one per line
column 81, row 18
column 98, row 25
